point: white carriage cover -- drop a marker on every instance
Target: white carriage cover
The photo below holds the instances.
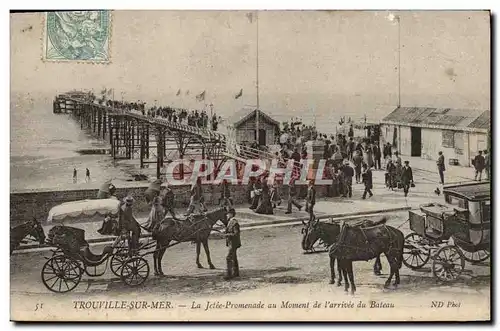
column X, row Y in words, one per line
column 83, row 209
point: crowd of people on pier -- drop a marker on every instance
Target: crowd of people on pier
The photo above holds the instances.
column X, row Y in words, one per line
column 195, row 118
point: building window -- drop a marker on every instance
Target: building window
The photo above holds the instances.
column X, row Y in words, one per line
column 448, row 139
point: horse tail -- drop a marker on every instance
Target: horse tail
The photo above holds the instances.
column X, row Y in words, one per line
column 401, row 241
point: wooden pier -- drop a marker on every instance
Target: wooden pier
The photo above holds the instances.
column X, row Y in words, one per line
column 149, row 140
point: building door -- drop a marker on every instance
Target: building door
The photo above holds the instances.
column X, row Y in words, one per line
column 262, row 137
column 416, row 141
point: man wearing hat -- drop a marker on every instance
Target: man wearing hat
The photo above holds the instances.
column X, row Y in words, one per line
column 367, row 180
column 168, row 200
column 106, row 191
column 292, row 193
column 406, row 177
column 128, row 224
column 311, row 199
column 152, row 191
column 196, row 200
column 156, row 215
column 233, row 242
column 348, row 172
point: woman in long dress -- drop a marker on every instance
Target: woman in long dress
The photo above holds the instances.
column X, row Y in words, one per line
column 265, row 206
column 257, row 194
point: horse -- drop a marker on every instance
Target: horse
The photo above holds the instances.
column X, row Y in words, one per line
column 31, row 228
column 357, row 243
column 196, row 229
column 328, row 233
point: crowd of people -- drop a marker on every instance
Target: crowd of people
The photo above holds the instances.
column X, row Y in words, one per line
column 196, row 118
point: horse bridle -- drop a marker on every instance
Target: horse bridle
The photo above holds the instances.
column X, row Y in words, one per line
column 320, row 233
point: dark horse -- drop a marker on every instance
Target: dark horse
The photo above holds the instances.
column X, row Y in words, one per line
column 359, row 242
column 196, row 229
column 31, row 228
column 328, row 233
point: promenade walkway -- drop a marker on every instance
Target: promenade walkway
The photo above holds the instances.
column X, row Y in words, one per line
column 452, row 172
column 383, row 201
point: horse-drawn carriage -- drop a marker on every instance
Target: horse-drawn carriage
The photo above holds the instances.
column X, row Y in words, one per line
column 72, row 257
column 464, row 219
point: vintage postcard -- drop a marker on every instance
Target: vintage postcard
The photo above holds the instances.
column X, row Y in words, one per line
column 250, row 166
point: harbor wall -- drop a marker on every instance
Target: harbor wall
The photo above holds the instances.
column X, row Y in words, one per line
column 37, row 203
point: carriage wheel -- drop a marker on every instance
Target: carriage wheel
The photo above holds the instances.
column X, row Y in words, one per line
column 474, row 257
column 135, row 271
column 448, row 263
column 61, row 274
column 117, row 261
column 413, row 256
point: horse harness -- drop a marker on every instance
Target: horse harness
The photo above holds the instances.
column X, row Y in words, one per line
column 343, row 234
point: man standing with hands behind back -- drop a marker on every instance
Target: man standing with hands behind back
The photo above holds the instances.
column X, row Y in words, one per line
column 441, row 167
column 233, row 242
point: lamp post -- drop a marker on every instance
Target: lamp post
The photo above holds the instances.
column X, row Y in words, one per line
column 396, row 18
column 257, row 124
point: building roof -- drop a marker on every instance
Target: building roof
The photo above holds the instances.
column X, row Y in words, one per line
column 444, row 118
column 247, row 113
column 482, row 122
column 471, row 191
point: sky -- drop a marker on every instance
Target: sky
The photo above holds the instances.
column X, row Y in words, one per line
column 310, row 62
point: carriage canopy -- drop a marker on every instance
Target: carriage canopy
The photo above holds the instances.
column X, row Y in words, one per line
column 83, row 209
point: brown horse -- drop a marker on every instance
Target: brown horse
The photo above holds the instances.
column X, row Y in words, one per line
column 195, row 229
column 328, row 233
column 363, row 244
column 31, row 228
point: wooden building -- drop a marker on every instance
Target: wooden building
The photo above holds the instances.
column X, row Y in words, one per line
column 245, row 129
column 423, row 132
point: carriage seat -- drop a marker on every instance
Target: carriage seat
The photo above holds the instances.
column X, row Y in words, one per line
column 433, row 233
column 95, row 259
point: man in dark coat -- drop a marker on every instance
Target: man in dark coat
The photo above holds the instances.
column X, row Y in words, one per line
column 292, row 193
column 487, row 164
column 233, row 242
column 406, row 177
column 377, row 156
column 387, row 152
column 479, row 165
column 225, row 194
column 441, row 167
column 390, row 175
column 357, row 160
column 128, row 224
column 348, row 172
column 351, row 146
column 311, row 200
column 367, row 180
column 168, row 200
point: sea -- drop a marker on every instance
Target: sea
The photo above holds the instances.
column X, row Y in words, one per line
column 44, row 146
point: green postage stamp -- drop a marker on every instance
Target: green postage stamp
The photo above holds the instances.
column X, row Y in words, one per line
column 77, row 36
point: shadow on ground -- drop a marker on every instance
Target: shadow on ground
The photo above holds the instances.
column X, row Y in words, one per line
column 211, row 282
